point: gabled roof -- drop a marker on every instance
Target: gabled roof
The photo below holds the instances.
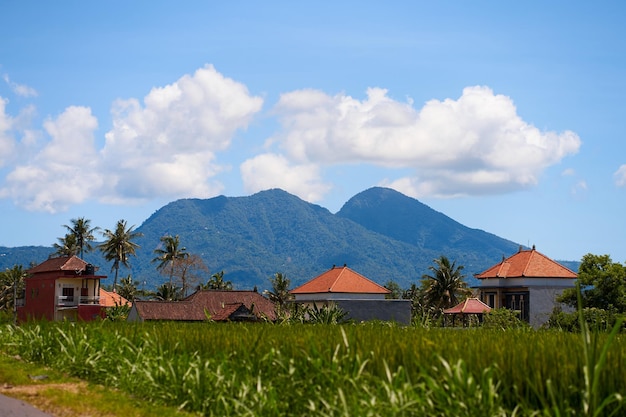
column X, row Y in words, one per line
column 469, row 306
column 340, row 280
column 112, row 299
column 527, row 264
column 218, row 305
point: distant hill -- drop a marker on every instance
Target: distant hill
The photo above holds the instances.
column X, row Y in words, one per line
column 380, row 233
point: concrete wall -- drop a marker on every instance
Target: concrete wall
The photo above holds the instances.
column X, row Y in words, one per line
column 385, row 310
column 542, row 302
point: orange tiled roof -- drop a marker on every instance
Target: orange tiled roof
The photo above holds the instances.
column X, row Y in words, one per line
column 469, row 306
column 219, row 305
column 340, row 280
column 112, row 299
column 527, row 264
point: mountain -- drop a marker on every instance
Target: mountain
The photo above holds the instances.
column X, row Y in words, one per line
column 403, row 218
column 380, row 233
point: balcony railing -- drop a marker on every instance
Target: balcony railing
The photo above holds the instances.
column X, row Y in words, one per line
column 72, row 301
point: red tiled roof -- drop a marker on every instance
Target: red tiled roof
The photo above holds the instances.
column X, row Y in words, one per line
column 527, row 264
column 63, row 263
column 112, row 299
column 340, row 280
column 219, row 305
column 469, row 306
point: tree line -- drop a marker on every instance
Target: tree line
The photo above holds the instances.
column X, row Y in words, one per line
column 600, row 291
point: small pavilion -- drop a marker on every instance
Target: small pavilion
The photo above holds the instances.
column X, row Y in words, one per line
column 465, row 309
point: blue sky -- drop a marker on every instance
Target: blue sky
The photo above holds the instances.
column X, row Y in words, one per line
column 507, row 117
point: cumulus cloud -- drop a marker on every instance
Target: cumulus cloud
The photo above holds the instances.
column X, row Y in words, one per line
column 476, row 144
column 163, row 147
column 620, row 176
column 167, row 145
column 65, row 171
column 275, row 171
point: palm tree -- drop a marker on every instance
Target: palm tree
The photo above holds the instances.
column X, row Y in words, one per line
column 128, row 288
column 279, row 293
column 118, row 246
column 82, row 230
column 11, row 288
column 216, row 282
column 67, row 246
column 445, row 287
column 168, row 255
column 167, row 292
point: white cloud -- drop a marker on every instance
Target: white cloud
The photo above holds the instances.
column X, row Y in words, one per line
column 167, row 146
column 275, row 171
column 620, row 176
column 474, row 145
column 7, row 143
column 65, row 171
column 21, row 90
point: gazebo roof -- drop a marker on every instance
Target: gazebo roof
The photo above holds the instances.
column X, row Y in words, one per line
column 469, row 306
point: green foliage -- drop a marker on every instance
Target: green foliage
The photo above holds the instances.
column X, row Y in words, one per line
column 118, row 312
column 279, row 294
column 595, row 319
column 327, row 314
column 168, row 254
column 366, row 370
column 445, row 287
column 503, row 318
column 217, row 282
column 127, row 288
column 396, row 290
column 11, row 287
column 82, row 234
column 602, row 283
column 169, row 292
column 119, row 245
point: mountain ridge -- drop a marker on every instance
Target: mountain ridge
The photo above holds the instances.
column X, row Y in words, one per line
column 381, row 233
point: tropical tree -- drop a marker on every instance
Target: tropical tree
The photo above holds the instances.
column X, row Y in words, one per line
column 128, row 288
column 189, row 269
column 396, row 290
column 168, row 292
column 279, row 294
column 67, row 246
column 602, row 284
column 83, row 232
column 118, row 246
column 445, row 287
column 217, row 282
column 11, row 287
column 168, row 254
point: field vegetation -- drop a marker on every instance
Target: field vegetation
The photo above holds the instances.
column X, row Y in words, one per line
column 224, row 369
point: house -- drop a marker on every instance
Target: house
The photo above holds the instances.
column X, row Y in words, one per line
column 528, row 282
column 361, row 298
column 207, row 305
column 64, row 288
column 469, row 307
column 112, row 299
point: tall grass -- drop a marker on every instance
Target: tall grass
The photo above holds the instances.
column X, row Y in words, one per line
column 330, row 370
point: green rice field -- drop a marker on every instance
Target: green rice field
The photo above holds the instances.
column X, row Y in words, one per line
column 374, row 369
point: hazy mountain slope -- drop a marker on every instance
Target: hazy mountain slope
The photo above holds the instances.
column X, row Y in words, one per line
column 395, row 215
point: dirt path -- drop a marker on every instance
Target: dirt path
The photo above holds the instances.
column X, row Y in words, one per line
column 26, row 401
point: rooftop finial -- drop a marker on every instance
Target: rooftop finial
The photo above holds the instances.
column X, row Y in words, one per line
column 533, row 247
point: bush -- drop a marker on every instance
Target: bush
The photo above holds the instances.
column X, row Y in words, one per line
column 503, row 318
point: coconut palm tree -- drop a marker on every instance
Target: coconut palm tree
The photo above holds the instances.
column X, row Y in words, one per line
column 216, row 282
column 67, row 246
column 118, row 246
column 82, row 230
column 446, row 286
column 279, row 293
column 11, row 288
column 169, row 254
